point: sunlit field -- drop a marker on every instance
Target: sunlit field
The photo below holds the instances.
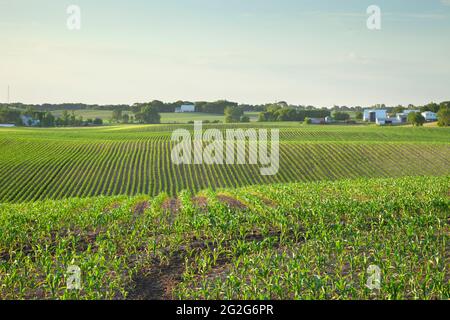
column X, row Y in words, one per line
column 38, row 164
column 283, row 241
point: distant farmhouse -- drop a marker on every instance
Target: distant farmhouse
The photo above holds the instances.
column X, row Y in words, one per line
column 381, row 117
column 430, row 116
column 185, row 108
column 372, row 115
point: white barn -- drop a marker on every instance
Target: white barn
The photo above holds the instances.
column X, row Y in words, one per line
column 186, row 108
column 429, row 116
column 372, row 115
column 406, row 112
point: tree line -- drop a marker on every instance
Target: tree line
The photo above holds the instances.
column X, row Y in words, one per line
column 30, row 116
column 149, row 112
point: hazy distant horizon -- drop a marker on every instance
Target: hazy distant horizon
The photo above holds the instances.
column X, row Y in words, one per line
column 304, row 52
column 231, row 100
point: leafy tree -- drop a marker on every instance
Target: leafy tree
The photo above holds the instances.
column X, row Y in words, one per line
column 444, row 117
column 65, row 118
column 148, row 115
column 11, row 116
column 98, row 122
column 307, row 121
column 48, row 120
column 433, row 107
column 416, row 119
column 398, row 109
column 233, row 114
column 359, row 115
column 218, row 107
column 29, row 111
column 245, row 119
column 117, row 115
column 126, row 118
column 341, row 116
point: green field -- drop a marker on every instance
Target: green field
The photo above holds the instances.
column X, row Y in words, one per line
column 37, row 164
column 287, row 241
column 109, row 201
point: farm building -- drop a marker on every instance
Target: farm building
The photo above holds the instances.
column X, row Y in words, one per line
column 406, row 112
column 6, row 125
column 429, row 116
column 372, row 115
column 388, row 121
column 328, row 119
column 185, row 108
column 402, row 117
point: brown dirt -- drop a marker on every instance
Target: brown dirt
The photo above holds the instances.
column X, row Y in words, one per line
column 88, row 239
column 140, row 208
column 200, row 202
column 231, row 202
column 111, row 207
column 171, row 205
column 158, row 282
column 266, row 201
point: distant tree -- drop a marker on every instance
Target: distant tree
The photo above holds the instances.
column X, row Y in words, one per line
column 444, row 117
column 65, row 118
column 48, row 120
column 72, row 118
column 341, row 116
column 126, row 118
column 148, row 115
column 245, row 119
column 233, row 114
column 29, row 111
column 416, row 119
column 11, row 116
column 117, row 115
column 263, row 116
column 307, row 121
column 359, row 115
column 98, row 122
column 398, row 109
column 218, row 107
column 433, row 107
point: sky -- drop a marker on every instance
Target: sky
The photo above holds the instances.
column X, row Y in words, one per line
column 309, row 52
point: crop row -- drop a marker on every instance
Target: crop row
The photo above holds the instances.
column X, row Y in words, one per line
column 283, row 241
column 40, row 170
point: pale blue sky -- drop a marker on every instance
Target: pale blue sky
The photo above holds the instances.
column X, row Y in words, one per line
column 301, row 51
